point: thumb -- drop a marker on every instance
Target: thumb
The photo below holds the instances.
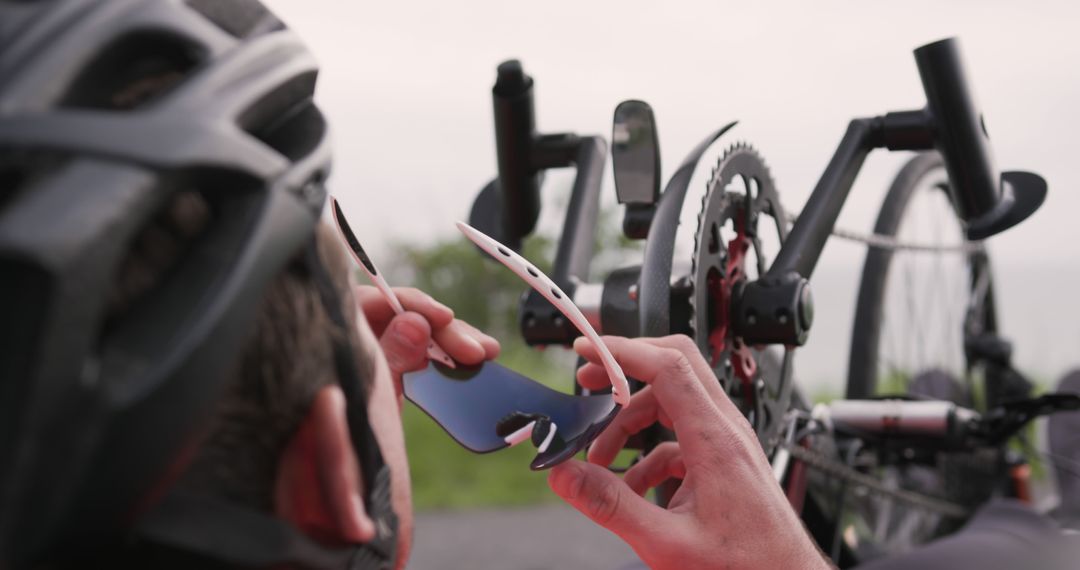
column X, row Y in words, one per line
column 603, row 497
column 405, row 343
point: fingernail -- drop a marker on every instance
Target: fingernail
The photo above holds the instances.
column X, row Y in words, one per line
column 410, row 333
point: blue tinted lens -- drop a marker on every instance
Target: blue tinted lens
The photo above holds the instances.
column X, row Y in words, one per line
column 470, row 402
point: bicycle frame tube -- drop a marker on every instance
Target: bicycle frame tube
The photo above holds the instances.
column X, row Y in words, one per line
column 778, row 307
column 802, row 249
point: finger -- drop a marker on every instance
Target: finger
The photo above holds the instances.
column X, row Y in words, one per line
column 600, row 495
column 490, row 344
column 379, row 312
column 642, row 412
column 375, row 308
column 683, row 344
column 405, row 343
column 662, row 463
column 687, row 346
column 459, row 343
column 438, row 314
column 705, row 372
column 702, row 429
column 593, row 376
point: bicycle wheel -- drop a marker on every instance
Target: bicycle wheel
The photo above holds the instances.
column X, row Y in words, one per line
column 919, row 306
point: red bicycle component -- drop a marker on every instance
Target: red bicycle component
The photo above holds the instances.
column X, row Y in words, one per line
column 720, row 288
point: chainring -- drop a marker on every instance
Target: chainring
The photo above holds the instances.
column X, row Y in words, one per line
column 718, row 268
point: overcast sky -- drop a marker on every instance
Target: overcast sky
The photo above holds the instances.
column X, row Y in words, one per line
column 407, row 88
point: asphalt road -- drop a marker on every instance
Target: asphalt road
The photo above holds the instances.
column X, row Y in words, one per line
column 536, row 538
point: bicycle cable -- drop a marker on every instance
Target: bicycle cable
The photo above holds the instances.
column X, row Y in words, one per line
column 844, row 472
column 882, row 241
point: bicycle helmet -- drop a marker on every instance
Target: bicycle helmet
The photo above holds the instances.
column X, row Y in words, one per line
column 111, row 114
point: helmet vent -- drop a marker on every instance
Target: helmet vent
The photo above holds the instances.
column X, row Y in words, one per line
column 239, row 18
column 19, row 169
column 176, row 265
column 286, row 119
column 157, row 248
column 133, row 71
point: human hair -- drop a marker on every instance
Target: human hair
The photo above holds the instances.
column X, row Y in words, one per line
column 286, row 359
column 284, row 363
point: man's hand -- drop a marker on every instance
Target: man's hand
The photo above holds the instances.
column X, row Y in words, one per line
column 404, row 338
column 729, row 512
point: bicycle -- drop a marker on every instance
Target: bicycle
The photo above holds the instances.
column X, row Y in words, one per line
column 749, row 313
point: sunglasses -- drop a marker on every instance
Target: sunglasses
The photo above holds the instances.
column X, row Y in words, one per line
column 488, row 407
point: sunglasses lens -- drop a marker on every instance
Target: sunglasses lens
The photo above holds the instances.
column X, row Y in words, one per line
column 472, row 402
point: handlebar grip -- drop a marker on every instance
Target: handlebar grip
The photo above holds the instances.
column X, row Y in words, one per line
column 515, row 131
column 960, row 130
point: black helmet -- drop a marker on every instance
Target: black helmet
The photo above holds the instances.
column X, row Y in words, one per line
column 109, row 110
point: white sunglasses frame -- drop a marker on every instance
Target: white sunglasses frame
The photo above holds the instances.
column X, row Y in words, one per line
column 620, row 388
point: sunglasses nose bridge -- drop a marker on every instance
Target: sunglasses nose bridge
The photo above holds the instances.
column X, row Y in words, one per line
column 542, row 434
column 518, row 427
column 521, row 434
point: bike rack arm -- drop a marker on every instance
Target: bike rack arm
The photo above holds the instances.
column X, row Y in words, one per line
column 575, row 250
column 540, row 322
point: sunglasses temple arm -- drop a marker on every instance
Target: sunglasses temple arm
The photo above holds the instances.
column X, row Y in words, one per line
column 434, row 351
column 619, row 384
column 620, row 388
column 384, row 288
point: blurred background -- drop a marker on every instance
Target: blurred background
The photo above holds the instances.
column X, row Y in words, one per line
column 407, row 85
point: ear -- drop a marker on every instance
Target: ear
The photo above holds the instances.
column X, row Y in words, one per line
column 318, row 486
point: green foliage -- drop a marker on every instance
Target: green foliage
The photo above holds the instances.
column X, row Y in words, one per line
column 481, row 291
column 445, row 475
column 894, row 383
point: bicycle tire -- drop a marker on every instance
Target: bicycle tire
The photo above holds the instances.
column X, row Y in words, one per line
column 863, row 377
